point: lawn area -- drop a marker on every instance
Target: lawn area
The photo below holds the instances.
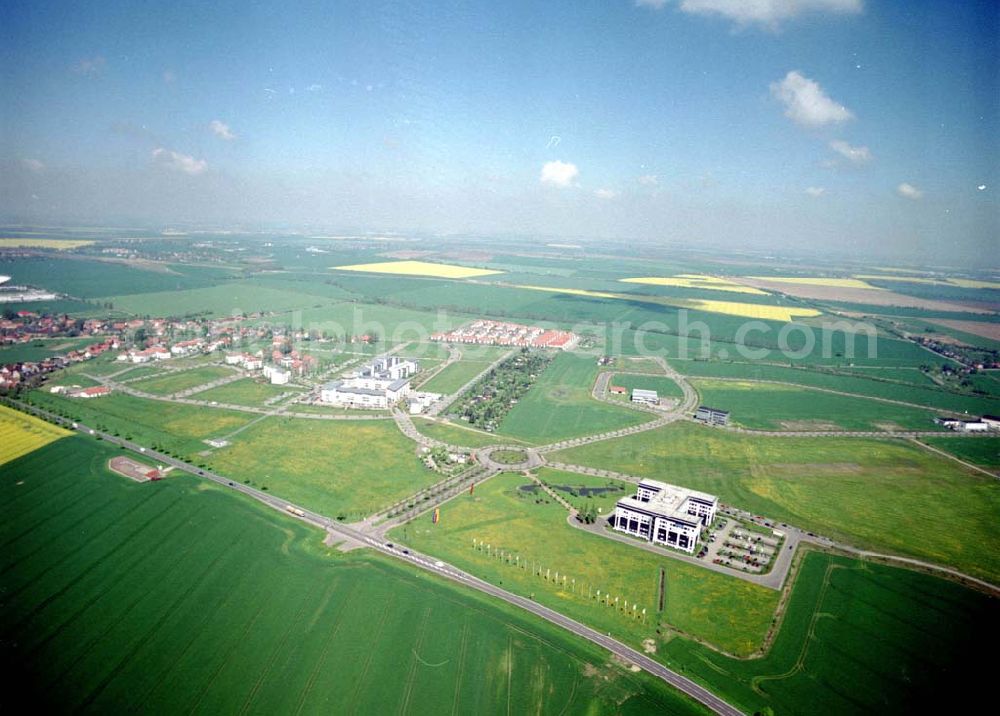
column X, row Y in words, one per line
column 40, row 349
column 336, row 467
column 860, row 638
column 775, row 406
column 979, row 451
column 871, row 386
column 458, row 434
column 182, row 380
column 880, row 494
column 21, row 433
column 725, row 611
column 559, row 405
column 583, row 491
column 174, row 428
column 664, row 387
column 186, row 598
column 246, row 391
column 455, row 376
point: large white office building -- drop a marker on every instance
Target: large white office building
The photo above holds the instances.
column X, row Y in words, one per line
column 380, row 385
column 665, row 514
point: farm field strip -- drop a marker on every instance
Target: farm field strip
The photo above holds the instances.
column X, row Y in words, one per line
column 58, row 244
column 702, row 281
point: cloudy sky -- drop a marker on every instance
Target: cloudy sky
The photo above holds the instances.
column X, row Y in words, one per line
column 866, row 126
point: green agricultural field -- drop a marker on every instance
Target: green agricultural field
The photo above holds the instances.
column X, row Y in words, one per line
column 454, row 376
column 879, row 494
column 931, row 397
column 182, row 380
column 185, row 598
column 507, row 515
column 860, row 638
column 38, row 350
column 341, row 468
column 665, row 387
column 245, row 391
column 458, row 433
column 776, row 406
column 978, row 451
column 584, row 491
column 173, row 427
column 229, row 299
column 560, row 405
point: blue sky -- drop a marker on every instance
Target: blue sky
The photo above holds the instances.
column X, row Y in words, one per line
column 860, row 125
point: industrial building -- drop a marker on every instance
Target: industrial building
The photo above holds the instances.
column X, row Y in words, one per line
column 665, row 514
column 647, row 397
column 712, row 416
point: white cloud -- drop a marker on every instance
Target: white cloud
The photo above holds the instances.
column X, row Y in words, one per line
column 89, row 66
column 648, row 180
column 605, row 193
column 221, row 130
column 33, row 165
column 179, row 162
column 764, row 12
column 815, row 191
column 909, row 191
column 806, row 103
column 559, row 173
column 855, row 155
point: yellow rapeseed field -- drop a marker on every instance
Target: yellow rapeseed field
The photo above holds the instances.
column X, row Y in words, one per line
column 573, row 291
column 903, row 279
column 807, row 281
column 419, row 268
column 689, row 280
column 972, row 283
column 748, row 310
column 43, row 243
column 959, row 282
column 730, row 308
column 21, row 434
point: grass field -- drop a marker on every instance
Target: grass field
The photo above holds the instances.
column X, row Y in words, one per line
column 981, row 451
column 245, row 391
column 184, row 598
column 58, row 244
column 175, row 428
column 702, row 281
column 583, row 491
column 774, row 406
column 419, row 268
column 339, row 468
column 182, row 380
column 664, row 387
column 560, row 405
column 21, row 434
column 459, row 433
column 931, row 397
column 870, row 493
column 725, row 611
column 860, row 638
column 455, row 376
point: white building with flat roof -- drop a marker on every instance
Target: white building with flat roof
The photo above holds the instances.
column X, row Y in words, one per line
column 665, row 514
column 649, row 397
